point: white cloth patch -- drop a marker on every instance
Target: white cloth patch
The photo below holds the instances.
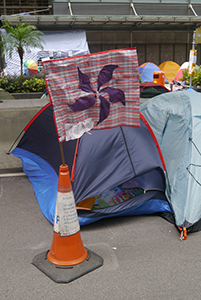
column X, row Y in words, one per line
column 75, row 131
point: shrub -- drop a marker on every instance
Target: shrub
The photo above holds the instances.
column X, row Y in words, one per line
column 33, row 85
column 22, row 84
column 196, row 78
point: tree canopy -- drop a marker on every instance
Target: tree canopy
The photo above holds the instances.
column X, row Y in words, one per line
column 20, row 38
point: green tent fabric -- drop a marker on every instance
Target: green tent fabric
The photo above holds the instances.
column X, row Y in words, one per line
column 5, row 95
column 149, row 93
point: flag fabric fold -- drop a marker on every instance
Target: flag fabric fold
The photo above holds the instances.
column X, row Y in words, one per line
column 101, row 87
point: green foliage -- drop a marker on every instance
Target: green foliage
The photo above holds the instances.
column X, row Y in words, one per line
column 33, row 85
column 196, row 78
column 22, row 84
column 20, row 38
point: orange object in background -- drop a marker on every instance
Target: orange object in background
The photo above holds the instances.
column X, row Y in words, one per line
column 86, row 203
column 159, row 77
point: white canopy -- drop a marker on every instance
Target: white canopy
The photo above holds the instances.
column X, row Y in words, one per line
column 56, row 45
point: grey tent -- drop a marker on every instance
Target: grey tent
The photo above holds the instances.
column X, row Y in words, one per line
column 175, row 118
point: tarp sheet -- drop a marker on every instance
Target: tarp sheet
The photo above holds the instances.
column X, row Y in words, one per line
column 56, row 44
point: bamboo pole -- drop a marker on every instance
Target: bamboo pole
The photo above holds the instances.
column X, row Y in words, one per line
column 62, row 153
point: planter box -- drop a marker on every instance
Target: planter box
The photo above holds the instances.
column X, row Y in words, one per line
column 27, row 95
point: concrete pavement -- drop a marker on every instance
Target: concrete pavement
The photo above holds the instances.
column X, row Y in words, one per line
column 143, row 256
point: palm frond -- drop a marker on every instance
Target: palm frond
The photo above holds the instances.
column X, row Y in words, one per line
column 23, row 36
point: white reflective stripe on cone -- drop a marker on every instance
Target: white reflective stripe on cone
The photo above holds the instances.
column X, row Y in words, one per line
column 66, row 220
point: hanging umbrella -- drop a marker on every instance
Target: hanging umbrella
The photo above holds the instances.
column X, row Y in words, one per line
column 30, row 67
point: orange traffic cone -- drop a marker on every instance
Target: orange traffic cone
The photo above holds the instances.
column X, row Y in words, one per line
column 67, row 258
column 67, row 247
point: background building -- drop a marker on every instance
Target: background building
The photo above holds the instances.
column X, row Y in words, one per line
column 9, row 7
column 160, row 29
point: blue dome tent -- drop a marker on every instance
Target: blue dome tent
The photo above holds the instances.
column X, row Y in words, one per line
column 146, row 71
column 116, row 172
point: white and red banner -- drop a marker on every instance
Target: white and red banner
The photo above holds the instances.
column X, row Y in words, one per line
column 94, row 91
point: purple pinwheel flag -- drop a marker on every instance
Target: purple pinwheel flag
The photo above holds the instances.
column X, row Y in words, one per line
column 94, row 91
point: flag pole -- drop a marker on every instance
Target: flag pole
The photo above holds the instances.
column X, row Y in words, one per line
column 62, row 153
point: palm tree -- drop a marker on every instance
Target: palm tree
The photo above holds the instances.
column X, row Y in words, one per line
column 23, row 36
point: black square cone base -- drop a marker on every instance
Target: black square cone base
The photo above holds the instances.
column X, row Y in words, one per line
column 66, row 274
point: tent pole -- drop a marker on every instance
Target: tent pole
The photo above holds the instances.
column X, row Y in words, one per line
column 193, row 48
column 62, row 153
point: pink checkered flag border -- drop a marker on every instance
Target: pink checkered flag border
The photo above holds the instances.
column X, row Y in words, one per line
column 103, row 87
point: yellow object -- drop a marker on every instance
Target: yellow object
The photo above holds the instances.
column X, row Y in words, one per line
column 159, row 77
column 192, row 61
column 170, row 68
column 198, row 36
column 86, row 203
